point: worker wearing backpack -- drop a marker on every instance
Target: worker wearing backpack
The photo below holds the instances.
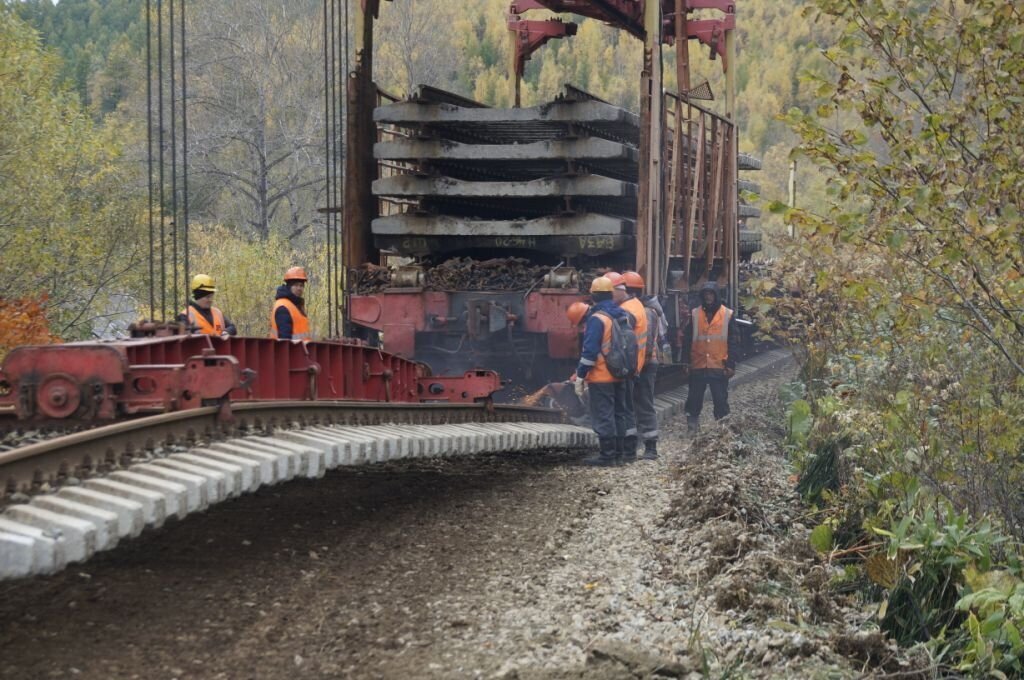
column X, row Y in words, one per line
column 603, row 360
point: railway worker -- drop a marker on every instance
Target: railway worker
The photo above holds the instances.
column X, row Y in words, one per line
column 201, row 316
column 288, row 320
column 607, row 393
column 627, row 446
column 649, row 335
column 714, row 345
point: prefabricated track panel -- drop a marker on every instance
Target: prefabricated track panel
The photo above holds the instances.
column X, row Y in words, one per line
column 417, row 246
column 496, row 126
column 510, row 200
column 413, row 235
column 412, row 186
column 445, row 225
column 532, row 160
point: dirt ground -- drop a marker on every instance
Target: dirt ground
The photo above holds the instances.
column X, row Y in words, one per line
column 499, row 567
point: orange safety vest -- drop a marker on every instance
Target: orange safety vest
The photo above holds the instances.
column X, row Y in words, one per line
column 710, row 346
column 599, row 372
column 636, row 307
column 300, row 324
column 199, row 322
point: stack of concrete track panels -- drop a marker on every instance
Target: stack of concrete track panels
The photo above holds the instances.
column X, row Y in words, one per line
column 57, row 529
column 560, row 178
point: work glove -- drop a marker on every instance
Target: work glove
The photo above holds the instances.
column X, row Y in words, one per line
column 666, row 353
column 730, row 372
column 580, row 386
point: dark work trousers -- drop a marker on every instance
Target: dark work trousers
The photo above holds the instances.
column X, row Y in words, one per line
column 719, row 385
column 625, row 423
column 607, row 402
column 643, row 403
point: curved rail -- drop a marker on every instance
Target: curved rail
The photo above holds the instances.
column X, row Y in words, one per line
column 81, row 454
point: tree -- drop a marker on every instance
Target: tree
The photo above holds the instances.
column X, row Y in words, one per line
column 415, row 51
column 69, row 227
column 930, row 175
column 255, row 97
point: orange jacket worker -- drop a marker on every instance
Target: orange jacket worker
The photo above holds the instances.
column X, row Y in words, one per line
column 714, row 341
column 288, row 320
column 201, row 316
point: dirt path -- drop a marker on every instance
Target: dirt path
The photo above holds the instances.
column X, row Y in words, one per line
column 523, row 566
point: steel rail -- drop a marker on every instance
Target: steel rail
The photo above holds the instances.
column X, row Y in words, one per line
column 81, row 454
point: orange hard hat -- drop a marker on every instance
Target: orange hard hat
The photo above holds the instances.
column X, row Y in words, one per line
column 296, row 274
column 633, row 280
column 576, row 312
column 601, row 285
column 616, row 279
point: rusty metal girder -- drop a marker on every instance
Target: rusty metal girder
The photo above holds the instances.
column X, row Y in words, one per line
column 530, row 35
column 624, row 14
column 523, row 6
column 628, row 15
column 710, row 32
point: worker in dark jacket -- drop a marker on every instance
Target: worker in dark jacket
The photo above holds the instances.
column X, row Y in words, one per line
column 713, row 341
column 607, row 393
column 201, row 316
column 288, row 320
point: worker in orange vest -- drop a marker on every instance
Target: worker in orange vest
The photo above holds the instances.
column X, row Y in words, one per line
column 201, row 316
column 607, row 393
column 714, row 346
column 650, row 337
column 288, row 320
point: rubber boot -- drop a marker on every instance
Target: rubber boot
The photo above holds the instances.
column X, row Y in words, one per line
column 607, row 456
column 629, row 449
column 651, row 449
column 692, row 424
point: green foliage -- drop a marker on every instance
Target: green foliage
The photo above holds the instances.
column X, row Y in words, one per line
column 995, row 614
column 69, row 220
column 932, row 550
column 821, row 538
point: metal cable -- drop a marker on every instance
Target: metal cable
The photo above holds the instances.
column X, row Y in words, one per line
column 149, row 154
column 160, row 122
column 184, row 150
column 335, row 126
column 343, row 272
column 337, row 81
column 174, row 160
column 328, row 125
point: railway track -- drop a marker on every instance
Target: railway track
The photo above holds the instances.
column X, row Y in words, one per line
column 87, row 491
column 70, row 497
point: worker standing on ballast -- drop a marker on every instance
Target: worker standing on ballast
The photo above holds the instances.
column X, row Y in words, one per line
column 627, row 445
column 288, row 320
column 714, row 346
column 607, row 393
column 201, row 316
column 650, row 337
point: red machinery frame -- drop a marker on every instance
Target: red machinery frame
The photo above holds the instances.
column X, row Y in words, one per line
column 105, row 381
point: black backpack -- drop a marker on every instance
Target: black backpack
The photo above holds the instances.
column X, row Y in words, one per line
column 622, row 354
